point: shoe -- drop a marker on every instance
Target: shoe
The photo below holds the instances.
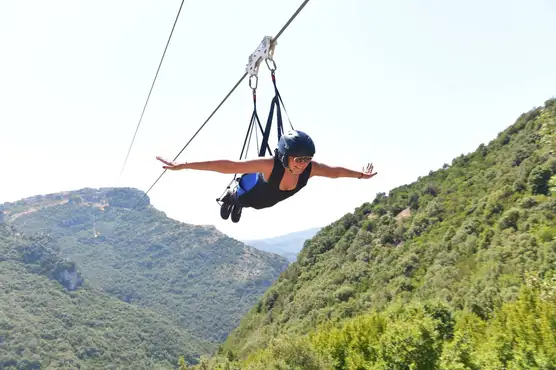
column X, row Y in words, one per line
column 227, row 206
column 236, row 213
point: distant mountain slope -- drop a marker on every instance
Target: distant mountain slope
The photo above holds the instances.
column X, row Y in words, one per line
column 196, row 276
column 50, row 318
column 287, row 245
column 454, row 271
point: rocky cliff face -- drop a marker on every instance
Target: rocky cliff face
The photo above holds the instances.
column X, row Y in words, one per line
column 68, row 276
column 39, row 255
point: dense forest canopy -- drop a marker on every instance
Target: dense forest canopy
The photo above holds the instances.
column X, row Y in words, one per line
column 453, row 271
column 51, row 318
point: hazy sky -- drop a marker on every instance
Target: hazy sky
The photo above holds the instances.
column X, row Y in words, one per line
column 380, row 81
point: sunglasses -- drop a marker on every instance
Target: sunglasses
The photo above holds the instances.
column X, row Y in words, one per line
column 302, row 159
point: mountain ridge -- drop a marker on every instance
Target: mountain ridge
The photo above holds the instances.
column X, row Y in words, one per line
column 287, row 245
column 195, row 276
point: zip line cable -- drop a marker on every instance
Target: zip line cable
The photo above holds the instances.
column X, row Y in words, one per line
column 150, row 91
column 294, row 15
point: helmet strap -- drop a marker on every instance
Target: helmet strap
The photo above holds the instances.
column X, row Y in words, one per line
column 287, row 166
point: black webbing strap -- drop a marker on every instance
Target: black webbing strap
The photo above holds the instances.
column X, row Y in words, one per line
column 265, row 133
column 279, row 126
column 251, row 127
column 275, row 104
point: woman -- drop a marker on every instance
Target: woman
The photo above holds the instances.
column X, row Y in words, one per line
column 269, row 180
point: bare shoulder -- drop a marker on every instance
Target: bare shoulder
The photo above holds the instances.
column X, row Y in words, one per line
column 317, row 168
column 268, row 166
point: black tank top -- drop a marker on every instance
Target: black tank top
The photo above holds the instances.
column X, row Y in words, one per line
column 267, row 193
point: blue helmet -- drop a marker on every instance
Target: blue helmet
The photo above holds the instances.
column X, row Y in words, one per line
column 294, row 143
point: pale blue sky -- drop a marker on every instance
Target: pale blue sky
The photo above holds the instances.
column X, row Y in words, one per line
column 380, row 81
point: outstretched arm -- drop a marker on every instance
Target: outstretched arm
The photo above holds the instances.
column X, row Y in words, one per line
column 323, row 170
column 222, row 166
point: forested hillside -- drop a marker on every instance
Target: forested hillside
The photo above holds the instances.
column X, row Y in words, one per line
column 197, row 277
column 453, row 271
column 50, row 318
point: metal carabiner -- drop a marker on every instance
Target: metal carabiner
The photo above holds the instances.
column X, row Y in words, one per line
column 251, row 82
column 273, row 63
